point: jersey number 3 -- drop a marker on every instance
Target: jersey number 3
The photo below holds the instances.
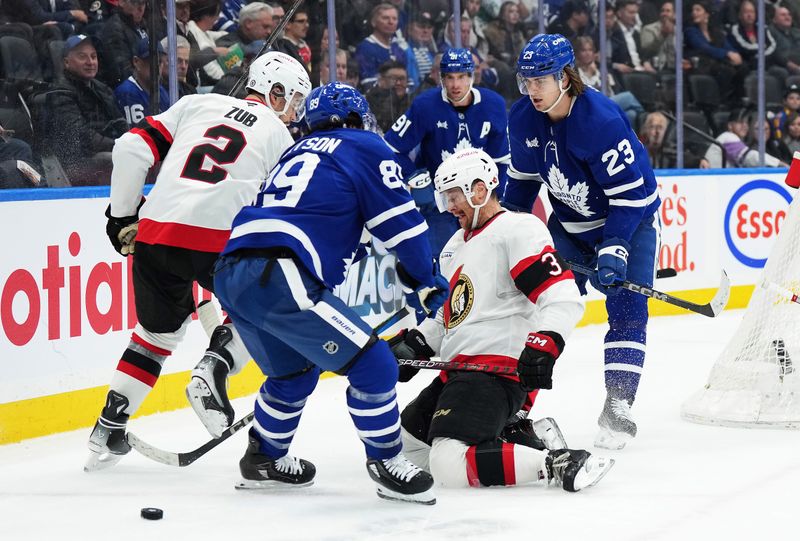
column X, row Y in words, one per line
column 612, row 156
column 235, row 143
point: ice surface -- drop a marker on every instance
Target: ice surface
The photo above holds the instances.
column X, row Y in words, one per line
column 675, row 481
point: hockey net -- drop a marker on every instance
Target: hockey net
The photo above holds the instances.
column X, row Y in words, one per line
column 753, row 383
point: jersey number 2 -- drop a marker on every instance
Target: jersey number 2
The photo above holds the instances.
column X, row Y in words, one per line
column 235, row 143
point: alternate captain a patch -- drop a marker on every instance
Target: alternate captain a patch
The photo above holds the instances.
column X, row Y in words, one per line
column 459, row 304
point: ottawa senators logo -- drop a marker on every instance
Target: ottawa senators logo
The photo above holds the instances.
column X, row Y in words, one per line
column 462, row 296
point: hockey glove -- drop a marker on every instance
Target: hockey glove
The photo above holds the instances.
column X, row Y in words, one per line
column 535, row 366
column 612, row 265
column 409, row 344
column 122, row 231
column 421, row 187
column 425, row 301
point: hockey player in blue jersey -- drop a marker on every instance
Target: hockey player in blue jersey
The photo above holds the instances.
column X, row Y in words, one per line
column 605, row 204
column 285, row 254
column 443, row 121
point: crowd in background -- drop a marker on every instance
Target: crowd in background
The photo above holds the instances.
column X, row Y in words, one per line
column 76, row 74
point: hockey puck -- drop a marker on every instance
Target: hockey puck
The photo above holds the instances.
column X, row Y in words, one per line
column 152, row 513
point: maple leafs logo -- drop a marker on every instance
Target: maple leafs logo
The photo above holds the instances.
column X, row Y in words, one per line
column 575, row 196
column 462, row 144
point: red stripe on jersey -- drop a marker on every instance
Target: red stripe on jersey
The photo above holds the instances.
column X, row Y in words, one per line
column 472, row 468
column 160, row 127
column 509, row 471
column 150, row 347
column 191, row 237
column 534, row 274
column 530, row 400
column 149, row 140
column 137, row 373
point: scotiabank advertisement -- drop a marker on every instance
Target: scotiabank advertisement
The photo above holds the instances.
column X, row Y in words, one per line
column 67, row 310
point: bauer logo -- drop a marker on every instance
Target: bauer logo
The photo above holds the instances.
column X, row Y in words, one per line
column 753, row 220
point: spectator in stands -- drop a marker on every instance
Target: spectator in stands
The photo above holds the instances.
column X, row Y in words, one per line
column 183, row 12
column 658, row 39
column 433, row 79
column 255, row 24
column 229, row 16
column 610, row 21
column 774, row 145
column 202, row 40
column 380, row 46
column 12, row 150
column 293, row 41
column 653, row 138
column 184, row 87
column 81, row 118
column 228, row 81
column 792, row 136
column 787, row 39
column 504, row 34
column 731, row 144
column 66, row 14
column 477, row 39
column 341, row 66
column 712, row 54
column 133, row 94
column 791, row 104
column 120, row 37
column 353, row 73
column 389, row 98
column 589, row 73
column 421, row 48
column 626, row 45
column 495, row 74
column 743, row 36
column 572, row 21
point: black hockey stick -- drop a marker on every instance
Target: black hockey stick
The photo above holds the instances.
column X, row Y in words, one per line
column 272, row 37
column 184, row 459
column 710, row 309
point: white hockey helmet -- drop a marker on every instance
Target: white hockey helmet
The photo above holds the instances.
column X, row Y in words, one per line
column 275, row 68
column 462, row 170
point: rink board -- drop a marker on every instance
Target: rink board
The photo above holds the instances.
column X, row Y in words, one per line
column 66, row 303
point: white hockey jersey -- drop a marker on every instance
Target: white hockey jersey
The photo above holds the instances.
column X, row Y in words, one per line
column 216, row 151
column 506, row 281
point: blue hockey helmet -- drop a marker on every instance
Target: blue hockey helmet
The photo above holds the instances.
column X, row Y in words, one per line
column 457, row 60
column 333, row 103
column 545, row 54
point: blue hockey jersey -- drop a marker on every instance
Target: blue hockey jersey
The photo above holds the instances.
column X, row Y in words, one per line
column 323, row 193
column 597, row 172
column 440, row 129
column 134, row 101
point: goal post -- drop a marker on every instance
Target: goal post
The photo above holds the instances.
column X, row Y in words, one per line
column 754, row 382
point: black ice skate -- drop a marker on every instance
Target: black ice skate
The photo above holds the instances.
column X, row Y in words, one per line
column 107, row 443
column 260, row 471
column 398, row 479
column 616, row 424
column 575, row 470
column 208, row 389
column 542, row 434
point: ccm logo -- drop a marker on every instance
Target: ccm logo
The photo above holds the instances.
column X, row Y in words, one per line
column 537, row 341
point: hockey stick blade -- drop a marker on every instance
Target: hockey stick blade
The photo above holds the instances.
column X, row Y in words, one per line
column 666, row 273
column 710, row 309
column 184, row 459
column 431, row 364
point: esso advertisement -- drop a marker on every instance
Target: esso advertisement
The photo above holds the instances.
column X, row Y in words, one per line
column 752, row 220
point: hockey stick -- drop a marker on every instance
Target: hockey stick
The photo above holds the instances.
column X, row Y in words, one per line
column 710, row 309
column 272, row 37
column 184, row 459
column 456, row 365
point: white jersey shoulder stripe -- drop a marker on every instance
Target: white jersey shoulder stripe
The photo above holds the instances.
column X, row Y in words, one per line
column 407, row 234
column 389, row 214
column 268, row 225
column 625, row 187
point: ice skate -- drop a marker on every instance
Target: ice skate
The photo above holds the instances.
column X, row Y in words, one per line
column 107, row 443
column 398, row 479
column 262, row 472
column 208, row 389
column 616, row 424
column 542, row 434
column 575, row 470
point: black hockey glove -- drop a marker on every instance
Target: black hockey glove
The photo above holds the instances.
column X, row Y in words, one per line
column 122, row 231
column 535, row 366
column 410, row 344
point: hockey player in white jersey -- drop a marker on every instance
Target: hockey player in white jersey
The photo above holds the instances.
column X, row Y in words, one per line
column 512, row 303
column 215, row 152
